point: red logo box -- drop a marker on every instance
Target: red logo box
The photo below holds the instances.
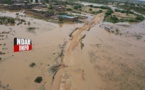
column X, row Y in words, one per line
column 21, row 44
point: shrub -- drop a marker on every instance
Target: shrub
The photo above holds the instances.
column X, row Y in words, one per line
column 123, row 11
column 104, row 7
column 8, row 1
column 90, row 9
column 7, row 20
column 91, row 6
column 117, row 10
column 132, row 20
column 139, row 18
column 69, row 9
column 130, row 12
column 31, row 29
column 36, row 1
column 11, row 20
column 38, row 79
column 112, row 19
column 77, row 7
column 137, row 9
column 46, row 1
column 100, row 11
column 109, row 12
column 32, row 64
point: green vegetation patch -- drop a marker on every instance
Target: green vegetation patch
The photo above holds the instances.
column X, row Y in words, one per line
column 124, row 11
column 114, row 19
column 77, row 7
column 7, row 2
column 135, row 8
column 31, row 29
column 97, row 12
column 109, row 12
column 32, row 64
column 102, row 7
column 38, row 80
column 139, row 18
column 7, row 20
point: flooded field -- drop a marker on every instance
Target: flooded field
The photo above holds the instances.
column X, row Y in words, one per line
column 73, row 56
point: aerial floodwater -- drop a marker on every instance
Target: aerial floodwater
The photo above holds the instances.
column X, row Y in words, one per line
column 71, row 46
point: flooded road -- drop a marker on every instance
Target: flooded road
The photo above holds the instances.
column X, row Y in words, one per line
column 73, row 56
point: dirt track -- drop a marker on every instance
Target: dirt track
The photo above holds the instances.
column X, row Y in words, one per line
column 76, row 36
column 64, row 76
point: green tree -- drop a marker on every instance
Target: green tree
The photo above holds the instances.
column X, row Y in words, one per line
column 109, row 12
column 114, row 19
column 47, row 1
column 11, row 20
column 139, row 18
column 91, row 6
column 69, row 9
column 38, row 79
column 36, row 1
column 77, row 7
column 7, row 1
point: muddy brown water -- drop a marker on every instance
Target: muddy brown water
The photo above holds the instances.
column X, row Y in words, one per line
column 106, row 62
